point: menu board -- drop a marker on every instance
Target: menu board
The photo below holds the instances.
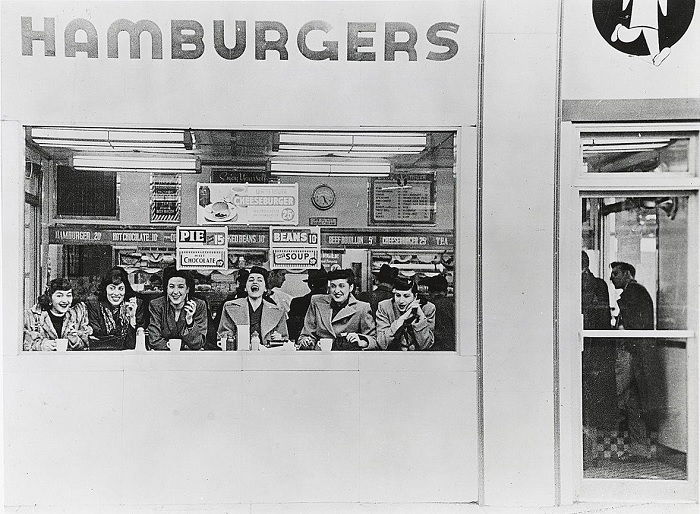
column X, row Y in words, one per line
column 247, row 204
column 165, row 198
column 409, row 198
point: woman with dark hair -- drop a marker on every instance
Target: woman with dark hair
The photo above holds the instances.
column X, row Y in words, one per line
column 116, row 313
column 177, row 315
column 55, row 317
column 404, row 322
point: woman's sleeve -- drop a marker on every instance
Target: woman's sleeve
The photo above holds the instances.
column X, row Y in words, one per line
column 385, row 329
column 33, row 335
column 369, row 328
column 78, row 340
column 95, row 319
column 424, row 328
column 155, row 335
column 193, row 336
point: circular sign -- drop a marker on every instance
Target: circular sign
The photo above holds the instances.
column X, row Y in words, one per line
column 323, row 197
column 643, row 27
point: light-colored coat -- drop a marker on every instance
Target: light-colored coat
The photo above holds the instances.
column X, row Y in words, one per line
column 356, row 317
column 387, row 326
column 235, row 312
column 38, row 328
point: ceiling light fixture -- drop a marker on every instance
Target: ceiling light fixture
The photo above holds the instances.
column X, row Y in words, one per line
column 331, row 168
column 100, row 139
column 368, row 144
column 136, row 163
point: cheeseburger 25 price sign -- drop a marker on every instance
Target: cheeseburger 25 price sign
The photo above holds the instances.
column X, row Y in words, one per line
column 202, row 248
column 295, row 247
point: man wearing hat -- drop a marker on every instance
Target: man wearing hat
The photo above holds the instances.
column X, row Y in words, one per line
column 266, row 319
column 339, row 316
column 384, row 289
column 318, row 284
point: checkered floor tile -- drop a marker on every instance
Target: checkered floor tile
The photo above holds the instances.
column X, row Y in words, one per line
column 651, row 470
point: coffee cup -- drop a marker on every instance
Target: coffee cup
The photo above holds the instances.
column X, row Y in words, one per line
column 61, row 345
column 174, row 344
column 243, row 337
column 326, row 343
column 221, row 343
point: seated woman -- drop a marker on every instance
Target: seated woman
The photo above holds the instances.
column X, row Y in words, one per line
column 266, row 319
column 55, row 317
column 116, row 313
column 404, row 322
column 177, row 315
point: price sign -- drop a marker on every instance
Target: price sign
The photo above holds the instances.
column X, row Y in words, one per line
column 295, row 247
column 202, row 248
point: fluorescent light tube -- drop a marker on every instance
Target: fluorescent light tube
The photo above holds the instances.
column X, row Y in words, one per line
column 137, row 163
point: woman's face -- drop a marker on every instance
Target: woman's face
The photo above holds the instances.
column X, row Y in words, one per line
column 61, row 301
column 115, row 293
column 403, row 299
column 177, row 291
column 255, row 285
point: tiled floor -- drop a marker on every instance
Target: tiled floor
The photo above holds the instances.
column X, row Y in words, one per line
column 652, row 470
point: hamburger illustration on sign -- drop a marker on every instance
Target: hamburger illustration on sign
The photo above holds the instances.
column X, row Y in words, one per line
column 645, row 28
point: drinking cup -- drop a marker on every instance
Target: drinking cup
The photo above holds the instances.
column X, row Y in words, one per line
column 174, row 344
column 326, row 343
column 61, row 345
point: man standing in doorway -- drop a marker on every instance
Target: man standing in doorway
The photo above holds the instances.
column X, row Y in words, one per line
column 598, row 363
column 639, row 373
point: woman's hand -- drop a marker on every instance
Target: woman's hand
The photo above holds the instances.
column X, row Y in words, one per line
column 48, row 345
column 415, row 304
column 306, row 343
column 355, row 338
column 190, row 308
column 131, row 310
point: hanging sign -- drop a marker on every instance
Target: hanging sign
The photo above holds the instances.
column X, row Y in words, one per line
column 200, row 248
column 165, row 198
column 247, row 204
column 295, row 247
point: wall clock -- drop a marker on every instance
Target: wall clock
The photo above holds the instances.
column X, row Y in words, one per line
column 323, row 197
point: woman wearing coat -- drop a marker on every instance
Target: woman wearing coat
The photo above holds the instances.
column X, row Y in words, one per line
column 403, row 322
column 116, row 313
column 268, row 320
column 177, row 315
column 55, row 316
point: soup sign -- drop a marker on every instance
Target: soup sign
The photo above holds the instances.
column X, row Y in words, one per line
column 295, row 247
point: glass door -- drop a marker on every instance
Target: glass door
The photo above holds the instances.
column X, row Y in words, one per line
column 636, row 372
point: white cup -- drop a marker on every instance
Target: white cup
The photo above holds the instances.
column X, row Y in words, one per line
column 221, row 343
column 326, row 344
column 174, row 344
column 61, row 345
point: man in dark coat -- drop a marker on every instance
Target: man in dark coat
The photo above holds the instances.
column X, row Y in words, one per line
column 444, row 313
column 640, row 378
column 598, row 362
column 317, row 281
column 384, row 289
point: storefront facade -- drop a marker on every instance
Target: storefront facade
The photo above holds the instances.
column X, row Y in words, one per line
column 491, row 200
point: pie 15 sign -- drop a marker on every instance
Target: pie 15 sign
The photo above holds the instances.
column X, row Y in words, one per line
column 202, row 248
column 295, row 247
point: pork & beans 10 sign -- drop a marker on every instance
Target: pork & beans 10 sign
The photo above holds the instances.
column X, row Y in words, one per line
column 247, row 204
column 295, row 247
